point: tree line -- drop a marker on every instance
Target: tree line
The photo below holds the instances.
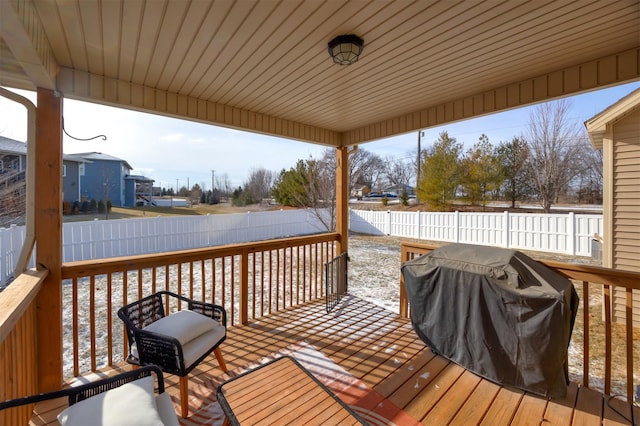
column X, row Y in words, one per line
column 552, row 161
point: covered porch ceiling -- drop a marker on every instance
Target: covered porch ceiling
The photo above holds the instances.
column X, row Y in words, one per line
column 263, row 66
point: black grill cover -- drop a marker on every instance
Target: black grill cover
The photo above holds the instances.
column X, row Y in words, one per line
column 495, row 312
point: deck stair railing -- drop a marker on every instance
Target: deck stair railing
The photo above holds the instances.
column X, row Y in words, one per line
column 607, row 353
column 335, row 278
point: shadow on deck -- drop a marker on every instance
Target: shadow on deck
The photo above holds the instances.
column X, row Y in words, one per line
column 381, row 349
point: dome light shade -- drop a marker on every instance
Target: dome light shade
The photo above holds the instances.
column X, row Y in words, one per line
column 345, row 49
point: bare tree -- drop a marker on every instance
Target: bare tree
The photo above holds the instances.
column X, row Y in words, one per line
column 554, row 143
column 222, row 186
column 365, row 167
column 310, row 184
column 259, row 185
column 589, row 181
column 399, row 171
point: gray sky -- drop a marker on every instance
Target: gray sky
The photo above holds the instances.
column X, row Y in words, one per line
column 175, row 151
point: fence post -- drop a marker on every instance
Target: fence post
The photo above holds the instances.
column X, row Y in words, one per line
column 456, row 224
column 419, row 225
column 571, row 234
column 505, row 229
column 388, row 222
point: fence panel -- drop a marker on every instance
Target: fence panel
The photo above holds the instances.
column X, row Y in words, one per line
column 540, row 232
column 556, row 233
column 127, row 237
column 481, row 228
column 404, row 224
column 368, row 222
column 559, row 233
column 586, row 226
column 438, row 226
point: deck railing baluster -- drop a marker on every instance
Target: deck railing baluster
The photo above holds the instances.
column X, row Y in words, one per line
column 92, row 320
column 74, row 304
column 585, row 333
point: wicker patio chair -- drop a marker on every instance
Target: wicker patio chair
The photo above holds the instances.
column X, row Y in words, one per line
column 89, row 402
column 178, row 341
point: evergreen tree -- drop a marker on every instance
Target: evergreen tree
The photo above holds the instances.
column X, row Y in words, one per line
column 290, row 188
column 440, row 173
column 513, row 157
column 482, row 177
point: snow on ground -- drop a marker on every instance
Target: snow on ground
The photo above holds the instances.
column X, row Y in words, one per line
column 374, row 272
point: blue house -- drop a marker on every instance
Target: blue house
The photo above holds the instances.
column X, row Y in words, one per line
column 108, row 178
column 13, row 180
column 85, row 176
column 102, row 177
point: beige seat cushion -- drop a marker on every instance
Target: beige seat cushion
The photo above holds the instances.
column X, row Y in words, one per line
column 195, row 348
column 183, row 325
column 133, row 403
column 166, row 410
column 195, row 332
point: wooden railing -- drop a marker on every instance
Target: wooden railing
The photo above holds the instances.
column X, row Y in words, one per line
column 18, row 358
column 250, row 280
column 607, row 348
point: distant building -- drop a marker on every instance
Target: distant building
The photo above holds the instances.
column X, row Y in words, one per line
column 102, row 177
column 398, row 189
column 13, row 180
column 85, row 176
column 138, row 191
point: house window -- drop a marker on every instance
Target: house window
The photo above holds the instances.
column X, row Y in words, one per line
column 64, row 170
column 81, row 169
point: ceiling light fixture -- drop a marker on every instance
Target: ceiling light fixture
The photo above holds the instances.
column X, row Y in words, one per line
column 345, row 49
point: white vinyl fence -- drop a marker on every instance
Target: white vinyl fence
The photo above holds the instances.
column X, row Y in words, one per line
column 125, row 237
column 560, row 233
column 570, row 233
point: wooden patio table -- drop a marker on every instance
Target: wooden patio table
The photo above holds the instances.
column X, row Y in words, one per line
column 282, row 392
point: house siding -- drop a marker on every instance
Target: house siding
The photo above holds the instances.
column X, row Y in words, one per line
column 103, row 181
column 71, row 182
column 626, row 208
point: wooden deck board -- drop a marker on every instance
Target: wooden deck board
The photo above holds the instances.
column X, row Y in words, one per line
column 382, row 350
column 559, row 411
column 476, row 406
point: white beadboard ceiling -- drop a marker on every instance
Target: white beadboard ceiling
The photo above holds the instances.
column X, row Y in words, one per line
column 269, row 58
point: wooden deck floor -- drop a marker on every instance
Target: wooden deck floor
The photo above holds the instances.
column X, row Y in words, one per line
column 382, row 350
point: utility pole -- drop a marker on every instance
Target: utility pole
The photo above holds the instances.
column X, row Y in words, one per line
column 212, row 183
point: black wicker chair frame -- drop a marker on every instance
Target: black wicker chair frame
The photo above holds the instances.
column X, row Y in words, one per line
column 165, row 351
column 78, row 393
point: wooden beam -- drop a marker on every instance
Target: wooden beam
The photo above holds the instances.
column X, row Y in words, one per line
column 48, row 230
column 22, row 31
column 342, row 198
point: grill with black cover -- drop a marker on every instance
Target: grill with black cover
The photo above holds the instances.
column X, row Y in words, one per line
column 496, row 312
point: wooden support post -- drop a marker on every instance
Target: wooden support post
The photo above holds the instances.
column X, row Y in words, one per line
column 342, row 198
column 48, row 232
